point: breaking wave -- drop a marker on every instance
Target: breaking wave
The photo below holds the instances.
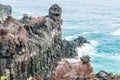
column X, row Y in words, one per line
column 76, row 35
column 116, row 33
column 99, row 61
column 87, row 49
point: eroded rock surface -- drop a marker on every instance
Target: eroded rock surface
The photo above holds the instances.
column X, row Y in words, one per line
column 5, row 10
column 71, row 71
column 31, row 46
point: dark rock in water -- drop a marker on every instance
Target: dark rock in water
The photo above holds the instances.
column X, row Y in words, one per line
column 79, row 41
column 32, row 46
column 104, row 75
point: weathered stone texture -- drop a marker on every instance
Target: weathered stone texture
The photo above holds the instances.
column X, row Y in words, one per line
column 5, row 10
column 31, row 46
column 71, row 71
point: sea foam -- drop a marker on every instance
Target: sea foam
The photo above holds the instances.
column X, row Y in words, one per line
column 116, row 33
column 87, row 49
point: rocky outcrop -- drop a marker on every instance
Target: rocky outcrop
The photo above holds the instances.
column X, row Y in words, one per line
column 81, row 70
column 31, row 46
column 5, row 10
column 71, row 71
column 103, row 75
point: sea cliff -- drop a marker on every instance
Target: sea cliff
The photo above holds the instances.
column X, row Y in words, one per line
column 33, row 46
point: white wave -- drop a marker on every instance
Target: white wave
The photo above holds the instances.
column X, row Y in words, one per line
column 75, row 27
column 69, row 37
column 26, row 12
column 114, row 56
column 94, row 43
column 87, row 49
column 115, row 25
column 76, row 35
column 85, row 33
column 116, row 33
column 90, row 49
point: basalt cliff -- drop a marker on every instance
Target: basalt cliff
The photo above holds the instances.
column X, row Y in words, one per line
column 31, row 46
column 34, row 46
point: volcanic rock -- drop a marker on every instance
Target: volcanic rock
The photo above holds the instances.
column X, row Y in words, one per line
column 32, row 46
column 71, row 71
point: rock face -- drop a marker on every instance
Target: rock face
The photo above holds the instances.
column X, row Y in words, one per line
column 82, row 70
column 32, row 46
column 5, row 10
column 71, row 71
column 103, row 75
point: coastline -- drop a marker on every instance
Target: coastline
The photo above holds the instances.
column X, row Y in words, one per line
column 34, row 44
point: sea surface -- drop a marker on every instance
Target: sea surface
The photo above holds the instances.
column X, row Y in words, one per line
column 96, row 20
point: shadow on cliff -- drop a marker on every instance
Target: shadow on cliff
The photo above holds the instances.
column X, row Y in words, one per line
column 32, row 46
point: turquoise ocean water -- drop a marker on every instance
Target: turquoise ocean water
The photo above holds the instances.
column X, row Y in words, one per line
column 96, row 20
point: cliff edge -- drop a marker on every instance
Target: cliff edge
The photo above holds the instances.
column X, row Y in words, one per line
column 31, row 46
column 34, row 47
